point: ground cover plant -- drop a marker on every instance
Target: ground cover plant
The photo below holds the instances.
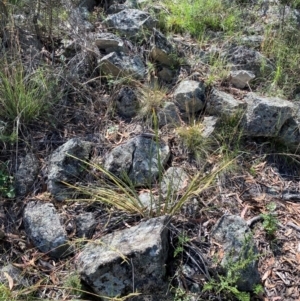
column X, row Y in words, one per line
column 60, row 93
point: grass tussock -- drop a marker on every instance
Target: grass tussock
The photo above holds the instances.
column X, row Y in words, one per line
column 123, row 196
column 194, row 142
column 25, row 97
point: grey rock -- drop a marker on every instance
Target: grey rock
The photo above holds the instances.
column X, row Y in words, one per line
column 16, row 274
column 127, row 103
column 108, row 42
column 43, row 227
column 83, row 63
column 162, row 50
column 168, row 115
column 88, row 4
column 289, row 134
column 240, row 78
column 190, row 97
column 165, row 74
column 120, row 64
column 117, row 7
column 29, row 45
column 77, row 21
column 243, row 58
column 85, row 224
column 210, row 126
column 233, row 233
column 26, row 174
column 149, row 201
column 275, row 13
column 265, row 116
column 224, row 105
column 138, row 158
column 62, row 167
column 253, row 41
column 174, row 181
column 132, row 23
column 128, row 260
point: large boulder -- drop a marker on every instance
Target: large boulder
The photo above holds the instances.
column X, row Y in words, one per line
column 126, row 261
column 63, row 167
column 240, row 252
column 142, row 158
column 190, row 97
column 131, row 23
column 42, row 225
column 265, row 116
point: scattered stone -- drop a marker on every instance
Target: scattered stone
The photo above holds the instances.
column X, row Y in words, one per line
column 127, row 103
column 19, row 281
column 62, row 167
column 168, row 115
column 129, row 260
column 108, row 42
column 120, row 64
column 26, row 174
column 149, row 201
column 139, row 159
column 165, row 74
column 174, row 181
column 253, row 41
column 243, row 58
column 210, row 124
column 162, row 50
column 240, row 78
column 224, row 105
column 265, row 116
column 190, row 97
column 85, row 224
column 233, row 233
column 43, row 227
column 117, row 7
column 132, row 23
column 88, row 4
column 289, row 134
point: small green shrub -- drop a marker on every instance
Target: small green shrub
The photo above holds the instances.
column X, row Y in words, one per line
column 182, row 240
column 270, row 219
column 7, row 188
